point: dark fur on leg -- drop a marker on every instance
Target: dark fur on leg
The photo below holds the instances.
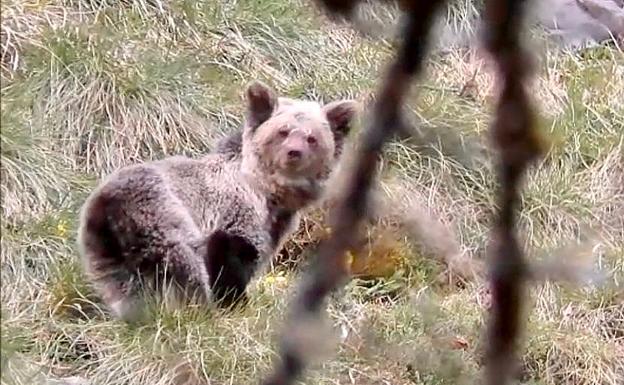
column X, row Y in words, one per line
column 231, row 261
column 117, row 285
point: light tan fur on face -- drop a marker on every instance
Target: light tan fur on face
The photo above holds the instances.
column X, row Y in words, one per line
column 300, row 128
column 311, row 130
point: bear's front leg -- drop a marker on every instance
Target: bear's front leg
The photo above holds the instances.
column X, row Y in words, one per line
column 231, row 261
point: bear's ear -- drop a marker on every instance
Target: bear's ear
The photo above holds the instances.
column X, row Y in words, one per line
column 261, row 101
column 340, row 115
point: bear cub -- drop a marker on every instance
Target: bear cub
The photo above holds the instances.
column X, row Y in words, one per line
column 204, row 227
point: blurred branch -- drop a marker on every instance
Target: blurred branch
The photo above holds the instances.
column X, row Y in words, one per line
column 513, row 136
column 329, row 270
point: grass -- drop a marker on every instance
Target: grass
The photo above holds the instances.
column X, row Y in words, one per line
column 88, row 86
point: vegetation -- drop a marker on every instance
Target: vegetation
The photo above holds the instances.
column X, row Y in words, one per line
column 88, row 86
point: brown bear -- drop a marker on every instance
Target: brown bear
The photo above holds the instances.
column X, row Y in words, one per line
column 205, row 226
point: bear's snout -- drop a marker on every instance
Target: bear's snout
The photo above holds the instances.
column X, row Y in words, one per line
column 294, row 149
column 294, row 154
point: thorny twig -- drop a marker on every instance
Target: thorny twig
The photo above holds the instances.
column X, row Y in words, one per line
column 514, row 138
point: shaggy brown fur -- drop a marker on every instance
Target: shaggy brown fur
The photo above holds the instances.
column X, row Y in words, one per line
column 204, row 226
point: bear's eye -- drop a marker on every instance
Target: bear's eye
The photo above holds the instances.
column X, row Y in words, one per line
column 283, row 133
column 311, row 140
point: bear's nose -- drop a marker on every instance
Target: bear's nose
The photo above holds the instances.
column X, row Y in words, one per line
column 294, row 154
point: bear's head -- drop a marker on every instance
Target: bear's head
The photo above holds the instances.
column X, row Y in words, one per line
column 292, row 140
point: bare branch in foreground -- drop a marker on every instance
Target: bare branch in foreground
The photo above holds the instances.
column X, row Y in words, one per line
column 514, row 136
column 516, row 141
column 329, row 270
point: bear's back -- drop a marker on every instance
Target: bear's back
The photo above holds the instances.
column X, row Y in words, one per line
column 217, row 193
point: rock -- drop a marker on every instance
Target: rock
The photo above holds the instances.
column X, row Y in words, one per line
column 578, row 23
column 568, row 23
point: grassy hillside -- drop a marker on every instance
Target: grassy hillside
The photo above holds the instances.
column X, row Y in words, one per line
column 90, row 85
